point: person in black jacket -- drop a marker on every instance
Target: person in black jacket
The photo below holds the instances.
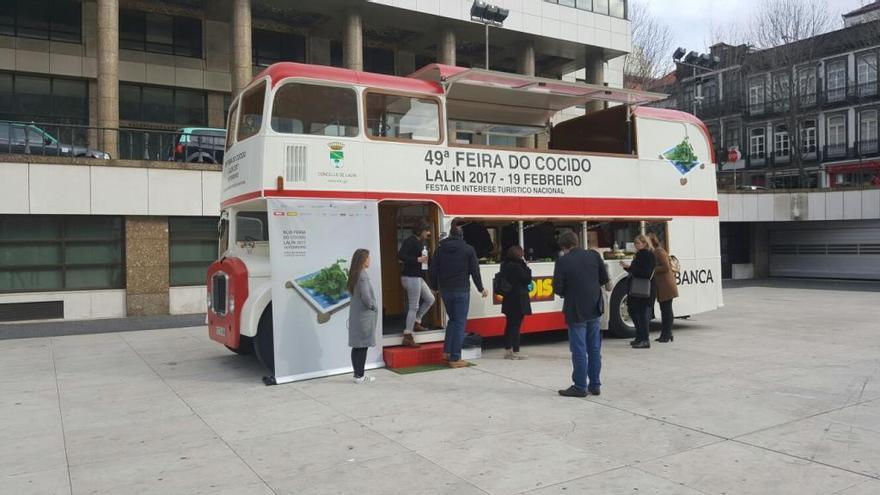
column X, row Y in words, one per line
column 639, row 308
column 578, row 278
column 516, row 304
column 413, row 255
column 453, row 265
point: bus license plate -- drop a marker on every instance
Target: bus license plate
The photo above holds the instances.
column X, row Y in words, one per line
column 221, row 332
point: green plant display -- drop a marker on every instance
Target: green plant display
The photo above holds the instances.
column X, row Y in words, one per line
column 683, row 153
column 330, row 281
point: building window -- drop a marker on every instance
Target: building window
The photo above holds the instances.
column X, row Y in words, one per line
column 162, row 105
column 336, row 59
column 836, row 135
column 731, row 135
column 378, row 60
column 160, row 33
column 868, row 131
column 781, row 142
column 192, row 247
column 781, row 92
column 402, row 117
column 313, row 109
column 56, row 20
column 807, row 86
column 44, row 253
column 756, row 143
column 43, row 99
column 866, row 72
column 271, row 46
column 756, row 96
column 835, row 80
column 808, row 136
column 600, row 7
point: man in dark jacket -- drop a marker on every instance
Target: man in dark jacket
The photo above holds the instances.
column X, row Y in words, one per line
column 578, row 278
column 453, row 265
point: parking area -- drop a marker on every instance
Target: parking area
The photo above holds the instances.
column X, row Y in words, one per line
column 777, row 393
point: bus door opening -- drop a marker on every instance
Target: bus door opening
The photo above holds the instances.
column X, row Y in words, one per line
column 396, row 222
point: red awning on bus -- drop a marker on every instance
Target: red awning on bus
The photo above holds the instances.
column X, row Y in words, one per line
column 478, row 90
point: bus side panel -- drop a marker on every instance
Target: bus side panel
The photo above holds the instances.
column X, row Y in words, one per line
column 694, row 241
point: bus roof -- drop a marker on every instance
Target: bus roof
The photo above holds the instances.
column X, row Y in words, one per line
column 282, row 70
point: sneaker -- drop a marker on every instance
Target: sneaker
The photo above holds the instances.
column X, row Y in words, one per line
column 364, row 379
column 508, row 354
column 573, row 391
column 519, row 356
column 461, row 363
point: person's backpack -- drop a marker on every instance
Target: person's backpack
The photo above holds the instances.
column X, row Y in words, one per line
column 674, row 264
column 500, row 284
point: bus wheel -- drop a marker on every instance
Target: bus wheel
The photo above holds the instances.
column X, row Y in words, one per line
column 245, row 346
column 264, row 345
column 619, row 323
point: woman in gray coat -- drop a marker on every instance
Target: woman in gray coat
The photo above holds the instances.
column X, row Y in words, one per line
column 362, row 313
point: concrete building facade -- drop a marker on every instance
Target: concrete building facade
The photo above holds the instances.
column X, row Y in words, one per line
column 133, row 234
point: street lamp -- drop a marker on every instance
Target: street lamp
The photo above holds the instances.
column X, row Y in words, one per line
column 702, row 61
column 488, row 15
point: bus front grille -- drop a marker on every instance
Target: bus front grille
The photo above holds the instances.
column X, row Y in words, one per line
column 218, row 293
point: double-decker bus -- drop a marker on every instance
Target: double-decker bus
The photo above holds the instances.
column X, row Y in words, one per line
column 513, row 159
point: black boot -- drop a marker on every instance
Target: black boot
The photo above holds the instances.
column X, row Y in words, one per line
column 664, row 339
column 643, row 344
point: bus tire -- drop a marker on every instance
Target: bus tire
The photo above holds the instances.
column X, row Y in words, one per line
column 618, row 324
column 245, row 346
column 264, row 341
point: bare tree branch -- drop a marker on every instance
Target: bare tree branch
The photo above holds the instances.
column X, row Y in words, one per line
column 781, row 22
column 651, row 44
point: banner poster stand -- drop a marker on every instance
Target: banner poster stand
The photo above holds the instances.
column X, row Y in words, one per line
column 311, row 245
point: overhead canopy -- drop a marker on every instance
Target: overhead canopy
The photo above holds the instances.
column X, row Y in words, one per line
column 472, row 91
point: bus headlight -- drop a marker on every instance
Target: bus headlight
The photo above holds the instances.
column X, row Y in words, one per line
column 208, row 300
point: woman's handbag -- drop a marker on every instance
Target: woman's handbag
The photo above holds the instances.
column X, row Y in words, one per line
column 640, row 287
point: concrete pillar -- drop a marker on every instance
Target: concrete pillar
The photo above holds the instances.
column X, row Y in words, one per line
column 146, row 266
column 760, row 247
column 526, row 66
column 215, row 110
column 595, row 74
column 108, row 75
column 353, row 41
column 446, row 48
column 526, row 60
column 242, row 70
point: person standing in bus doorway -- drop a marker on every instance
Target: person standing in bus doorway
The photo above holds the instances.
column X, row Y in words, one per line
column 578, row 278
column 452, row 268
column 667, row 289
column 640, row 306
column 413, row 255
column 362, row 314
column 516, row 304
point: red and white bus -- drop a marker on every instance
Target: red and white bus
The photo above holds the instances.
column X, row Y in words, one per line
column 488, row 150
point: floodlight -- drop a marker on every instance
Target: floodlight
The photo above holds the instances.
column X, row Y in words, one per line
column 691, row 57
column 679, row 52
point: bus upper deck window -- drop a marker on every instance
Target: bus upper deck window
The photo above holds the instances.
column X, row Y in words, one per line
column 230, row 129
column 402, row 117
column 250, row 118
column 312, row 109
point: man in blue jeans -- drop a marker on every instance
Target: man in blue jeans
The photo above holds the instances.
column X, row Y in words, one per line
column 578, row 278
column 454, row 264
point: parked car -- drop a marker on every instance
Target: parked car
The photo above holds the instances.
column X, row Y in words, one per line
column 29, row 139
column 199, row 144
column 751, row 188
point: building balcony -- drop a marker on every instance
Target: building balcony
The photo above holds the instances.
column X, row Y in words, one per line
column 866, row 148
column 709, row 109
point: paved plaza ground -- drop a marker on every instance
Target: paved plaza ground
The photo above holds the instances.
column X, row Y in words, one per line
column 777, row 393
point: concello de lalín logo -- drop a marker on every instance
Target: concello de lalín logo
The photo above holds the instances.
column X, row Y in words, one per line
column 337, row 154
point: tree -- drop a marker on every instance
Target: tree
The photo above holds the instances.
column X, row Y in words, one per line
column 781, row 22
column 651, row 55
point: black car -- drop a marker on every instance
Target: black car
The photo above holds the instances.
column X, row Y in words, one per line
column 29, row 139
column 199, row 144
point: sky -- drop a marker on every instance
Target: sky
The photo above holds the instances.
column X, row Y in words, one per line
column 691, row 20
